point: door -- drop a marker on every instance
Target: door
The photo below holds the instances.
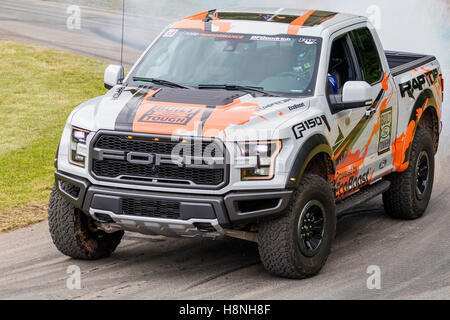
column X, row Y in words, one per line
column 358, row 145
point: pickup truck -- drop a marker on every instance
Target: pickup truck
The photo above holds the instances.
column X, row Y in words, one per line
column 260, row 124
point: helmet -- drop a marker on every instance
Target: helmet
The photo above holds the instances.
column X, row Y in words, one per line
column 303, row 56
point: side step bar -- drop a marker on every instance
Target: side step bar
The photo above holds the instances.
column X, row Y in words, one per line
column 362, row 196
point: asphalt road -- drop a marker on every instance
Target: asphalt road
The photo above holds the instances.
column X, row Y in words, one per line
column 45, row 23
column 413, row 256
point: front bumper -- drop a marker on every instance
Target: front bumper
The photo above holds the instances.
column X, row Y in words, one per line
column 197, row 215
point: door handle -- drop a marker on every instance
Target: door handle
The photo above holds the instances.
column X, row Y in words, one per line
column 370, row 112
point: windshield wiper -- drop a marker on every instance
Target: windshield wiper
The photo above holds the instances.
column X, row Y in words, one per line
column 161, row 81
column 236, row 87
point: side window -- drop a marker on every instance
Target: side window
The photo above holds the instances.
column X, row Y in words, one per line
column 341, row 67
column 367, row 54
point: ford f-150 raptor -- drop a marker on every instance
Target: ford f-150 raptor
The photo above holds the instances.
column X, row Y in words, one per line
column 261, row 124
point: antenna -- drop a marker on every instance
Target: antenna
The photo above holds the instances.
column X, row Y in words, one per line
column 123, row 22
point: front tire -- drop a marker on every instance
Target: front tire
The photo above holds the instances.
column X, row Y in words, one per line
column 297, row 244
column 74, row 233
column 410, row 191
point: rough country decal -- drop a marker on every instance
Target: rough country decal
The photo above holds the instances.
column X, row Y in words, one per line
column 169, row 115
column 418, row 83
column 306, row 125
column 384, row 140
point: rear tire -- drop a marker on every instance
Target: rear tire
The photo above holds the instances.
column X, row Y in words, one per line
column 283, row 242
column 410, row 191
column 74, row 233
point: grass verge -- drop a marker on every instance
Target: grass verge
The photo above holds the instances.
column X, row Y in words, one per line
column 38, row 89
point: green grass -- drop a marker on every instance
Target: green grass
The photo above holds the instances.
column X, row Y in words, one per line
column 38, row 89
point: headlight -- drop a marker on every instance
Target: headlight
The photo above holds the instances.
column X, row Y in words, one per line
column 78, row 148
column 266, row 153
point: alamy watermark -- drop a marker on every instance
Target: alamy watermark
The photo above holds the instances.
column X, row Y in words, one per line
column 374, row 16
column 73, row 282
column 374, row 280
column 73, row 22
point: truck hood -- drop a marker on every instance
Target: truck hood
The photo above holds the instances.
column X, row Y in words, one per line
column 199, row 112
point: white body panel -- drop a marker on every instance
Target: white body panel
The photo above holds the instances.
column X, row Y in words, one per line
column 280, row 119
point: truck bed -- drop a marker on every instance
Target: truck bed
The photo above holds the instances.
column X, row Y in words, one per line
column 400, row 62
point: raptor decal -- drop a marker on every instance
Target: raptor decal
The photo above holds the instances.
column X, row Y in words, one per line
column 429, row 78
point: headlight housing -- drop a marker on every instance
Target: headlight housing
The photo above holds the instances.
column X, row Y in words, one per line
column 266, row 153
column 78, row 148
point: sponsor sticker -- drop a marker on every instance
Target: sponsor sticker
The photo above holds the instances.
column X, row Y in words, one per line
column 350, row 181
column 218, row 35
column 169, row 115
column 170, row 33
column 384, row 140
column 307, row 40
column 274, row 104
column 268, row 38
column 296, row 106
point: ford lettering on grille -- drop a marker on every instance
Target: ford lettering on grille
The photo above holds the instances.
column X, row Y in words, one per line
column 145, row 159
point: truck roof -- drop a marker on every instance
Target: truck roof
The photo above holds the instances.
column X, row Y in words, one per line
column 264, row 20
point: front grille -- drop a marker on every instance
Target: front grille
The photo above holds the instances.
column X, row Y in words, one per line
column 114, row 142
column 117, row 167
column 151, row 208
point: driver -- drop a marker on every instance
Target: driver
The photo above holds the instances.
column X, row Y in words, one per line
column 302, row 65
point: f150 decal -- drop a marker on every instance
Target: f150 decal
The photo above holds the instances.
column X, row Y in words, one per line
column 418, row 83
column 169, row 114
column 307, row 125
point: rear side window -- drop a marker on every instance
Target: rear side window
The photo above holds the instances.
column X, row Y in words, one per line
column 368, row 58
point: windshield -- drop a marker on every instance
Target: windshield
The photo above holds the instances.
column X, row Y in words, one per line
column 281, row 64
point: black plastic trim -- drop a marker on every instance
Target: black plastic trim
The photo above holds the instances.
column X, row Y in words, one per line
column 191, row 206
column 223, row 208
column 418, row 60
column 81, row 183
column 232, row 201
column 301, row 156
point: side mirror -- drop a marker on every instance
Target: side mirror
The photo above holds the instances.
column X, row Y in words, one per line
column 114, row 75
column 357, row 93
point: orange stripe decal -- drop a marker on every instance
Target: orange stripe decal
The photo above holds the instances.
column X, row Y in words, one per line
column 295, row 25
column 189, row 24
column 178, row 118
column 192, row 22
